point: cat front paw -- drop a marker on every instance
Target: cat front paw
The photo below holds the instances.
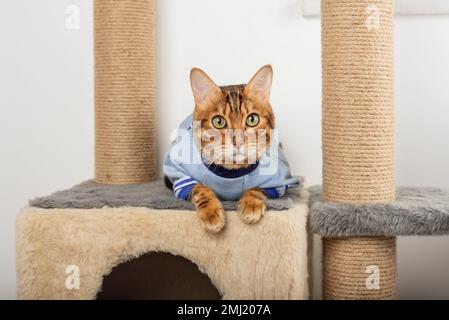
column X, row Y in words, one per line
column 252, row 206
column 212, row 216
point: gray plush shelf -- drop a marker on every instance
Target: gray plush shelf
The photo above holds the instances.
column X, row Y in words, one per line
column 153, row 195
column 416, row 211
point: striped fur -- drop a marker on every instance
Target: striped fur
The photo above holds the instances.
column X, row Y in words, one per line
column 234, row 104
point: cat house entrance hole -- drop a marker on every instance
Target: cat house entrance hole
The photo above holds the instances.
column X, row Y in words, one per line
column 157, row 275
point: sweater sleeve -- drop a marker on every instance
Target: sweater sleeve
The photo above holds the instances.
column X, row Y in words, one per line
column 278, row 184
column 179, row 177
column 183, row 186
column 275, row 192
column 181, row 180
column 174, row 163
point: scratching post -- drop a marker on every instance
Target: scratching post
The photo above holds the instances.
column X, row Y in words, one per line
column 124, row 91
column 358, row 138
column 358, row 101
column 359, row 268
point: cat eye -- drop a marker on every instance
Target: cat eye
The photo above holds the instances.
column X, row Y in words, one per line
column 219, row 122
column 252, row 120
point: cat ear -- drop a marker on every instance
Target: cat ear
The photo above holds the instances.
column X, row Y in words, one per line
column 260, row 85
column 203, row 88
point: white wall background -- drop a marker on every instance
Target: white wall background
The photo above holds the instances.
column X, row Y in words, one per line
column 46, row 101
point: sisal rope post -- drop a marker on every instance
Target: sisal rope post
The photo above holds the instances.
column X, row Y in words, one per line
column 125, row 96
column 359, row 268
column 358, row 100
column 358, row 138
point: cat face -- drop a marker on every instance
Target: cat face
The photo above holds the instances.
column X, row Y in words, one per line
column 232, row 123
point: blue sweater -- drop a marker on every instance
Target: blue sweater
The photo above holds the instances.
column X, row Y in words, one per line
column 184, row 167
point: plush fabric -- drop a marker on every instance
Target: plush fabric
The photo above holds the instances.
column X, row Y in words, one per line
column 416, row 211
column 154, row 195
column 267, row 260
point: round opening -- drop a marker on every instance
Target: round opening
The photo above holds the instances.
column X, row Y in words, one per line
column 157, row 275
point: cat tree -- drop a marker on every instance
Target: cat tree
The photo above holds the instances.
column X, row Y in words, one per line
column 122, row 221
column 357, row 212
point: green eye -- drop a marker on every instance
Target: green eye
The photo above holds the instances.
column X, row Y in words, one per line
column 219, row 122
column 252, row 120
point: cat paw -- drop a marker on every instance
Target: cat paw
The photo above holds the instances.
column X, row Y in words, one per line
column 212, row 216
column 251, row 208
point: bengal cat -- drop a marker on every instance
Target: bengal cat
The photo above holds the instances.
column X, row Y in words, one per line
column 245, row 109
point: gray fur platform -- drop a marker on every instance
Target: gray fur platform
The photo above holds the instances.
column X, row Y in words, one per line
column 153, row 195
column 416, row 211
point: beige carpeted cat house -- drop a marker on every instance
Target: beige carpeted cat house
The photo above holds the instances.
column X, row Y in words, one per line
column 264, row 261
column 123, row 236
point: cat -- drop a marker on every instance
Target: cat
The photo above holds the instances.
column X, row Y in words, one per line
column 231, row 132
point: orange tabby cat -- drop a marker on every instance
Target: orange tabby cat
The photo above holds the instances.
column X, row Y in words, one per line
column 231, row 131
column 243, row 109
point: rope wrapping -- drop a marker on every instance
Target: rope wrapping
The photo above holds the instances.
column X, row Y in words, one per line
column 125, row 95
column 358, row 139
column 354, row 265
column 358, row 100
